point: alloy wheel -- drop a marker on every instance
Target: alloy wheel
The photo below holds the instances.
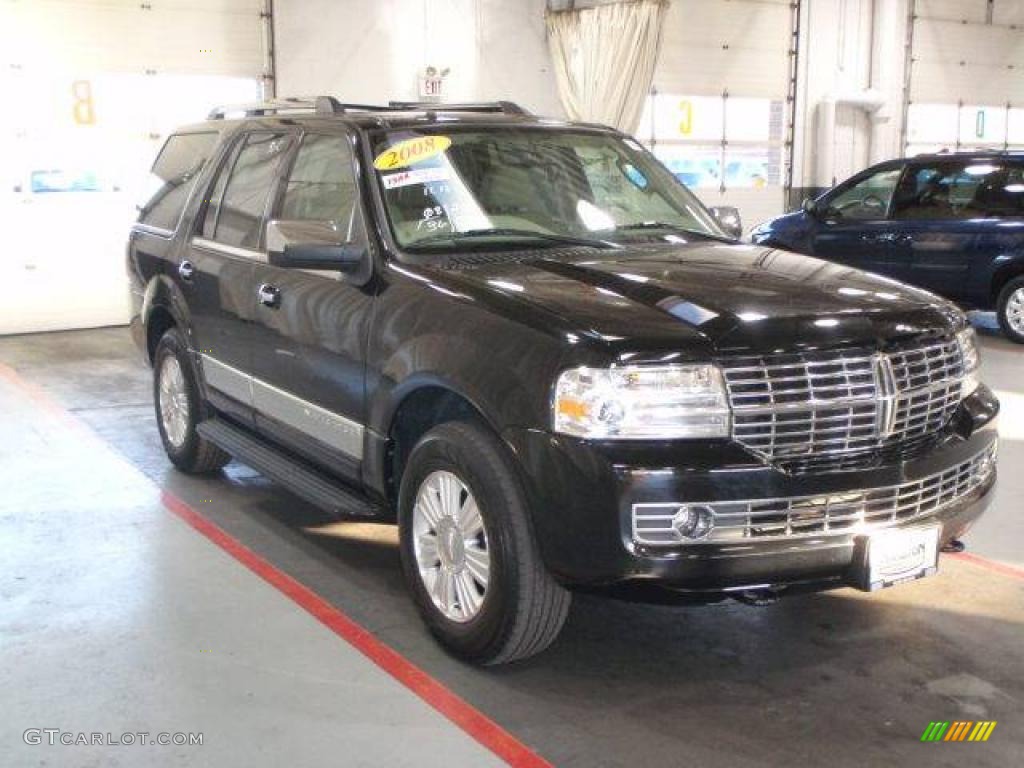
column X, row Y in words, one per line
column 1015, row 311
column 450, row 544
column 173, row 397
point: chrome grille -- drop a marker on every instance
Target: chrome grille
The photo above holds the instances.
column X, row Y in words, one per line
column 803, row 405
column 834, row 513
column 923, row 366
column 928, row 382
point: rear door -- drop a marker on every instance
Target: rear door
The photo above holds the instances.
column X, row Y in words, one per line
column 953, row 215
column 309, row 352
column 152, row 247
column 854, row 227
column 217, row 269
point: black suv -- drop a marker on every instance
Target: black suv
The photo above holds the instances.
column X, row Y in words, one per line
column 949, row 223
column 530, row 346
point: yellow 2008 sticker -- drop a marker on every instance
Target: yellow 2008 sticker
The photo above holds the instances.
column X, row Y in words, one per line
column 411, row 151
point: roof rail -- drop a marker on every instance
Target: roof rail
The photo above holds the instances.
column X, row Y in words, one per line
column 321, row 105
column 505, row 107
column 328, row 105
column 967, row 150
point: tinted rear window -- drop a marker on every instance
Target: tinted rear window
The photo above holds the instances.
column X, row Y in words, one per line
column 240, row 210
column 173, row 176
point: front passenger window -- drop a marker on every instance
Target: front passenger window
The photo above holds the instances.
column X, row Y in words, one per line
column 322, row 186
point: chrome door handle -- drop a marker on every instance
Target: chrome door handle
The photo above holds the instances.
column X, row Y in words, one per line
column 186, row 270
column 269, row 296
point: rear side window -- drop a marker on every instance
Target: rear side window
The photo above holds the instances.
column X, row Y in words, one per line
column 961, row 191
column 173, row 176
column 237, row 205
column 937, row 191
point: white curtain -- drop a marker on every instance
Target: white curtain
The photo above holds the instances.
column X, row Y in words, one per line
column 604, row 59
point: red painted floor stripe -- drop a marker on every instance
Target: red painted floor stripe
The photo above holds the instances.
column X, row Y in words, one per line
column 457, row 710
column 464, row 715
column 992, row 565
column 461, row 713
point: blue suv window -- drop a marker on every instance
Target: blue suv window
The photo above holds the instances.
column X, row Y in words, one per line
column 958, row 190
column 868, row 199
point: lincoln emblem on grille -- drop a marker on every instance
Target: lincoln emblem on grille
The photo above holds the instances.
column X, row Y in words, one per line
column 885, row 382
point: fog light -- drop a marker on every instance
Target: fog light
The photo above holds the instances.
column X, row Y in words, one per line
column 692, row 521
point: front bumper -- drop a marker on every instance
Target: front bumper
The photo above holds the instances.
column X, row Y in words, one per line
column 584, row 495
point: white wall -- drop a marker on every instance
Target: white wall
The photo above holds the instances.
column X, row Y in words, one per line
column 373, row 50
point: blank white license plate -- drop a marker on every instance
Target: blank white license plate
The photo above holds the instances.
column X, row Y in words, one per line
column 900, row 555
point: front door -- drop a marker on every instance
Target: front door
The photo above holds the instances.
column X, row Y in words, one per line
column 216, row 270
column 854, row 228
column 309, row 352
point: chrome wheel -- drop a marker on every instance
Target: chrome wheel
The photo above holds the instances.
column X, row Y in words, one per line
column 173, row 397
column 1015, row 311
column 450, row 544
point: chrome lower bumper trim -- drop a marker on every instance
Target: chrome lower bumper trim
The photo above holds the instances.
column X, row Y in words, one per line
column 821, row 515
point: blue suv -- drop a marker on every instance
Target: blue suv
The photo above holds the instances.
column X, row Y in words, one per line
column 950, row 223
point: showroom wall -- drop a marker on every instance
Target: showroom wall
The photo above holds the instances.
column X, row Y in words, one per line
column 376, row 50
column 497, row 49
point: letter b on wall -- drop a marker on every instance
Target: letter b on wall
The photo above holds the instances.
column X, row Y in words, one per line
column 82, row 106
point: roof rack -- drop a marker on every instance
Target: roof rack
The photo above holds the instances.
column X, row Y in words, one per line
column 328, row 105
column 976, row 151
column 321, row 105
column 504, row 107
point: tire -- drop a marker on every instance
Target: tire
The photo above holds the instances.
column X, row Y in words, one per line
column 522, row 608
column 1010, row 309
column 184, row 447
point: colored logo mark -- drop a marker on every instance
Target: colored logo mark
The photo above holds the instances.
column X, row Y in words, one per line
column 959, row 730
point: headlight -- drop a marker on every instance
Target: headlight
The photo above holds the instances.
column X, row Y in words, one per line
column 968, row 341
column 642, row 402
column 760, row 232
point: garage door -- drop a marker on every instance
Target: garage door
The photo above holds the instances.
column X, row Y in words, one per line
column 718, row 114
column 965, row 86
column 94, row 86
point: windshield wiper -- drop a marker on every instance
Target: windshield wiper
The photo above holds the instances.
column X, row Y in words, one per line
column 639, row 225
column 663, row 225
column 455, row 237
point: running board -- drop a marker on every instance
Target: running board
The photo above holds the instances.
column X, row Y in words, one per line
column 302, row 480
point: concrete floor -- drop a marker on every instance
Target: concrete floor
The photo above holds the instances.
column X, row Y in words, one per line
column 116, row 616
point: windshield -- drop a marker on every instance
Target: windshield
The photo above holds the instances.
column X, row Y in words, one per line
column 448, row 187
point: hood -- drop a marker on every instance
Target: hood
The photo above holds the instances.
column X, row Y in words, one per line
column 702, row 298
column 787, row 222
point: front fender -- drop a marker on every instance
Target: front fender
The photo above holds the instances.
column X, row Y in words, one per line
column 1003, row 268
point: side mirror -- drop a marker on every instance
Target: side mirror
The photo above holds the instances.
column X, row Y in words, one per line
column 316, row 245
column 809, row 207
column 729, row 220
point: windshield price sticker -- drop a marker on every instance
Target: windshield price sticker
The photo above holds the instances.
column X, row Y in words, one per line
column 415, row 176
column 410, row 152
